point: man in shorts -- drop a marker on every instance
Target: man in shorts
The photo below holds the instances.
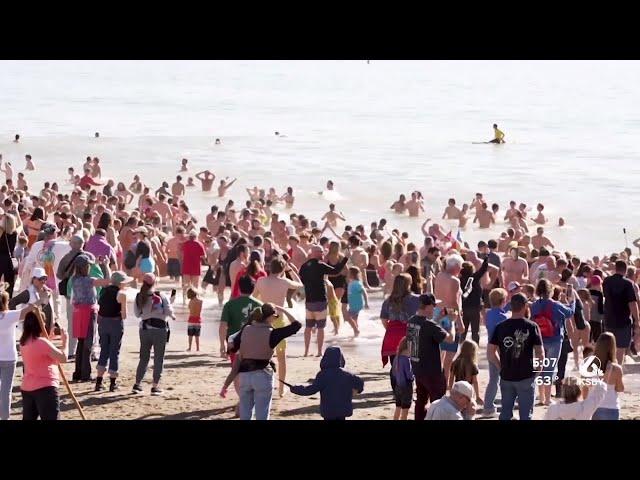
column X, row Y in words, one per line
column 312, row 274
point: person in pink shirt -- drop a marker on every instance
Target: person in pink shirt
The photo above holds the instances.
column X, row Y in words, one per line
column 40, row 382
column 192, row 253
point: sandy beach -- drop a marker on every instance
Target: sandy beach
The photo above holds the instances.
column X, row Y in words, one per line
column 192, row 380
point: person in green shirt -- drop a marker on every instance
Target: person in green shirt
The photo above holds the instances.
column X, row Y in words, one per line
column 235, row 314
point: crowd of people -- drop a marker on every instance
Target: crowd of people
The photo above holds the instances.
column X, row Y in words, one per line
column 72, row 256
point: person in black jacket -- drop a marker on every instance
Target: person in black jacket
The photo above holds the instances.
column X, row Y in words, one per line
column 335, row 384
column 312, row 274
column 8, row 238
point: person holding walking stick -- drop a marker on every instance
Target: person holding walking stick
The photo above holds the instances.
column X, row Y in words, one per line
column 41, row 380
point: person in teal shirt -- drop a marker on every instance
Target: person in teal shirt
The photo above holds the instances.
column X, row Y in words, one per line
column 357, row 298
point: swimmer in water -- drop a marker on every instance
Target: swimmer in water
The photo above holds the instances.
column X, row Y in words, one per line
column 190, row 182
column 561, row 222
column 224, row 186
column 332, row 217
column 30, row 165
column 184, row 167
column 498, row 135
column 16, row 139
column 7, row 170
column 451, row 212
column 206, row 179
column 400, row 205
column 540, row 219
column 217, row 141
column 414, row 206
column 97, row 135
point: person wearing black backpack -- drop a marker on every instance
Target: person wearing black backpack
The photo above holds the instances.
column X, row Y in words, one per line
column 65, row 271
column 550, row 315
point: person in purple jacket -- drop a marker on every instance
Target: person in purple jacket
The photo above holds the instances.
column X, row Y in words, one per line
column 403, row 373
column 550, row 316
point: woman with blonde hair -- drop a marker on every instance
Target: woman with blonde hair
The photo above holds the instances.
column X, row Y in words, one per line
column 8, row 239
column 605, row 353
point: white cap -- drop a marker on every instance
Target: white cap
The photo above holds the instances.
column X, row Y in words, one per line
column 463, row 388
column 38, row 272
column 513, row 286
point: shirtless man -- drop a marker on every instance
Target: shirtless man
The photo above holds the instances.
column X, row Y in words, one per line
column 273, row 289
column 414, row 206
column 206, row 179
column 256, row 229
column 183, row 167
column 224, row 186
column 484, row 216
column 211, row 218
column 190, row 182
column 515, row 268
column 174, row 254
column 476, row 202
column 297, row 253
column 447, row 290
column 539, row 240
column 511, row 211
column 359, row 257
column 523, row 210
column 163, row 209
column 400, row 205
column 451, row 212
column 29, row 163
column 332, row 217
column 136, row 186
column 22, row 183
column 177, row 189
column 540, row 219
column 245, row 221
column 96, row 171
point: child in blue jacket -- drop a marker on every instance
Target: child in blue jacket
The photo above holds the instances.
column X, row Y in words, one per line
column 336, row 386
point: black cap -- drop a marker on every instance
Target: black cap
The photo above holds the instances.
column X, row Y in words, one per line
column 427, row 299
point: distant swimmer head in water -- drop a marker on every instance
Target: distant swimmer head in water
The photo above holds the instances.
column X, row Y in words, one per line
column 561, row 222
column 540, row 207
column 495, row 207
column 16, row 139
column 277, row 133
column 97, row 134
column 329, row 185
column 452, row 201
column 217, row 141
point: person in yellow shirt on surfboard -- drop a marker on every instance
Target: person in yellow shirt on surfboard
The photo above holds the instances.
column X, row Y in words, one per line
column 499, row 135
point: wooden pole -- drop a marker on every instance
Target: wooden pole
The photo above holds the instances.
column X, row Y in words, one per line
column 38, row 314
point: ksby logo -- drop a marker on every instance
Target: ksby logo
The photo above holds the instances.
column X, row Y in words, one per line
column 590, row 367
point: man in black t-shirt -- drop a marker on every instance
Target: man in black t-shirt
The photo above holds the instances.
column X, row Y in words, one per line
column 515, row 340
column 423, row 339
column 620, row 305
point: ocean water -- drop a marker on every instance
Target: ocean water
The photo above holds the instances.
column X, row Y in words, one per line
column 377, row 130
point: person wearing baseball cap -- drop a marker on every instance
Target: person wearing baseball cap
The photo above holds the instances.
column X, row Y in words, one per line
column 513, row 288
column 36, row 293
column 455, row 406
column 111, row 315
column 424, row 335
column 154, row 310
